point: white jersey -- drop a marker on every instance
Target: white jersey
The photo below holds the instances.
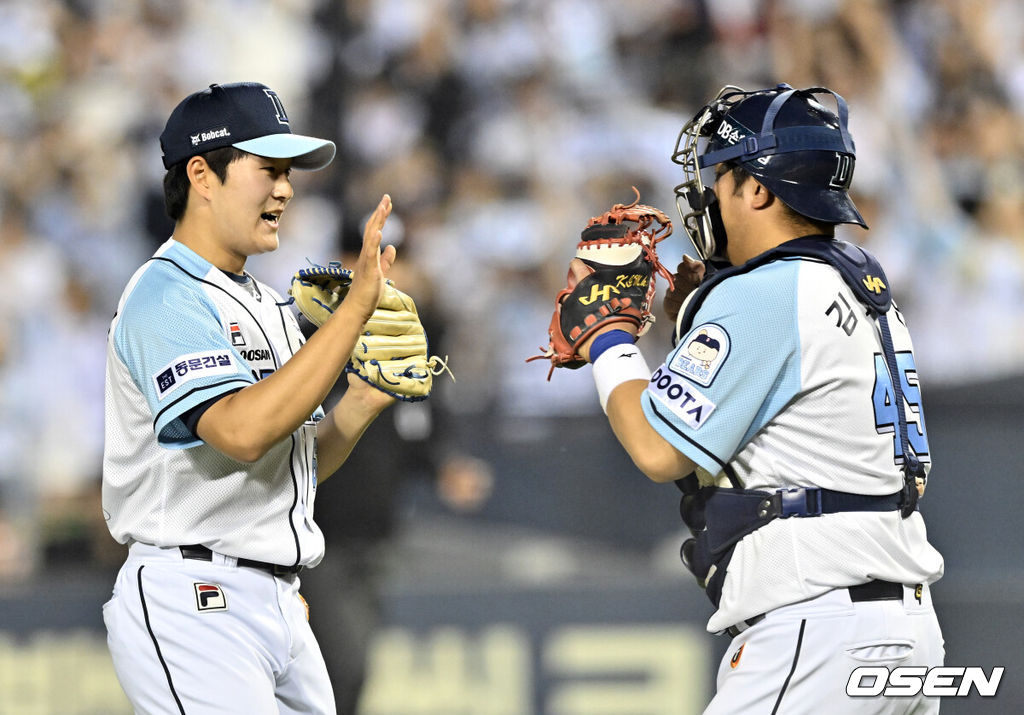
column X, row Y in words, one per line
column 186, row 332
column 781, row 379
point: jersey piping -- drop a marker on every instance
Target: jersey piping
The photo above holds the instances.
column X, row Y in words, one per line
column 276, row 365
column 196, row 278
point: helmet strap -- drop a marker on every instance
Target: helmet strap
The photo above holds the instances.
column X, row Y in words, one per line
column 787, row 139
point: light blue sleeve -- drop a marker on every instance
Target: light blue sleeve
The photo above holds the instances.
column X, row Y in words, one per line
column 170, row 337
column 734, row 370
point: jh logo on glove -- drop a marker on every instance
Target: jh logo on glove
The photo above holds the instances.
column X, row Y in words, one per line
column 619, row 250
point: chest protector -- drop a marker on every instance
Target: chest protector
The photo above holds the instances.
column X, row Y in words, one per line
column 718, row 517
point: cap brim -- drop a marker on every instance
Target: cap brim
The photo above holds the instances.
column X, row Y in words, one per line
column 305, row 152
column 839, row 208
column 827, row 205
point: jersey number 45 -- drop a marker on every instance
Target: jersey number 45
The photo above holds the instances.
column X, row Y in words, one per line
column 884, row 399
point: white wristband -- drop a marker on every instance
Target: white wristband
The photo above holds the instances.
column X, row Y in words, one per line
column 616, row 365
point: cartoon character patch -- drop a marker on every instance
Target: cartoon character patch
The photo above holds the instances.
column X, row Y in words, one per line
column 702, row 353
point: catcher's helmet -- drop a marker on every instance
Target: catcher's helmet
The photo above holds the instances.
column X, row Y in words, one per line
column 799, row 150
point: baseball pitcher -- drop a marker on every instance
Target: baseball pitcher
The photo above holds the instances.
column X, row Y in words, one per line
column 215, row 432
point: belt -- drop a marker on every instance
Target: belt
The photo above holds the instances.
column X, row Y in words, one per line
column 198, row 552
column 871, row 591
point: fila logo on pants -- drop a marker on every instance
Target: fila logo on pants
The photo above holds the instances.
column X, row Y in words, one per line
column 210, row 597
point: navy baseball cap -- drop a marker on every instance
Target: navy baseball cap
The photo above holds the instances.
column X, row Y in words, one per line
column 246, row 115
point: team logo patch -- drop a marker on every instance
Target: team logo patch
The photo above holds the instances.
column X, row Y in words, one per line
column 237, row 339
column 681, row 398
column 701, row 353
column 210, row 597
column 189, row 367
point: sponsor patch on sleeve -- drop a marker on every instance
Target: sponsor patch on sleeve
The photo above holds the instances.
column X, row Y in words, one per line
column 701, row 353
column 192, row 366
column 684, row 401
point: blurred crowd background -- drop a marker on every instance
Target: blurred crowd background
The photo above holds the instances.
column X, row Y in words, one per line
column 498, row 127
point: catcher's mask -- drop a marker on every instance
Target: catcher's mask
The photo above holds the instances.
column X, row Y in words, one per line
column 799, row 150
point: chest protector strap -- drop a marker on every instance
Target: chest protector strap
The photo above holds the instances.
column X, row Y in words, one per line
column 719, row 517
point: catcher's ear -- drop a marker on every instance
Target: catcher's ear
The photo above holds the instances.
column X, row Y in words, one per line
column 760, row 196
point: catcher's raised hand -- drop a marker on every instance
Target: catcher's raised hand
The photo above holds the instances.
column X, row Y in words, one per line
column 689, row 273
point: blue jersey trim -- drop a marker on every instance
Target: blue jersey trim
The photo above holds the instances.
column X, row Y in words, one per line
column 163, row 423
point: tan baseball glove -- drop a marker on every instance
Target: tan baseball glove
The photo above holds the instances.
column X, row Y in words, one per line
column 391, row 353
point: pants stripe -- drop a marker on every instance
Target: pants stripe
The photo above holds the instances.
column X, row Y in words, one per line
column 167, row 672
column 796, row 657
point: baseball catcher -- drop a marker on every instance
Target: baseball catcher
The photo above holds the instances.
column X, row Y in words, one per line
column 391, row 354
column 787, row 411
column 618, row 249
